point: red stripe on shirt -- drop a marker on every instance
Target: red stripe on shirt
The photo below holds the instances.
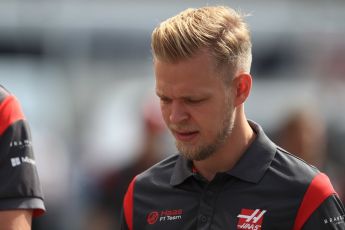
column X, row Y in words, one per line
column 10, row 112
column 128, row 205
column 319, row 189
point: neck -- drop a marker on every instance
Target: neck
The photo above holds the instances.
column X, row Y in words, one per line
column 228, row 155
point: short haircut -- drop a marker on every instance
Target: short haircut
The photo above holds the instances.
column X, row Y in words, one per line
column 219, row 29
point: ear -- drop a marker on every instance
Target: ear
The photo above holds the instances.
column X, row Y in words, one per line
column 242, row 84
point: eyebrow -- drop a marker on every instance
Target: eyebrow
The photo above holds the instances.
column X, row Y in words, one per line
column 206, row 95
column 160, row 95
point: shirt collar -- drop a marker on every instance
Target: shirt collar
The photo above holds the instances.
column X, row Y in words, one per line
column 256, row 159
column 182, row 170
column 251, row 167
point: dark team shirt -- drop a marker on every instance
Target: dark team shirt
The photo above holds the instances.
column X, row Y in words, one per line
column 268, row 188
column 19, row 183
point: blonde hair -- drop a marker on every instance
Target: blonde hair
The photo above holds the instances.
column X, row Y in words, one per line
column 221, row 30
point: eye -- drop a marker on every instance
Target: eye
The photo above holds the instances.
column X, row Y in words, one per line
column 165, row 100
column 194, row 100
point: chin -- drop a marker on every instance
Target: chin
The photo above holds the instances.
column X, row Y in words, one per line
column 195, row 155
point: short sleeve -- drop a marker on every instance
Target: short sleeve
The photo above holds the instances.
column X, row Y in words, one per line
column 329, row 215
column 20, row 187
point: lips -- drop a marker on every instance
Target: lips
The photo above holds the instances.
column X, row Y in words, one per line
column 185, row 136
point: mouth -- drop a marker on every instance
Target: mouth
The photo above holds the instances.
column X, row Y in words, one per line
column 185, row 136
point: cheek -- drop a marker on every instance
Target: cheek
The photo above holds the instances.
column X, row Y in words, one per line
column 165, row 114
column 206, row 120
column 212, row 120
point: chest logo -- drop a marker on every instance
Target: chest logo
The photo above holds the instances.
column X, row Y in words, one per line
column 152, row 217
column 164, row 215
column 250, row 219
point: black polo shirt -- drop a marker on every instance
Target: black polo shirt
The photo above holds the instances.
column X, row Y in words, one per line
column 268, row 188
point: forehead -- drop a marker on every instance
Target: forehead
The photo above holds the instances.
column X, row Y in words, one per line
column 193, row 75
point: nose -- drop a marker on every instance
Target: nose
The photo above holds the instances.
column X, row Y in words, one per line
column 178, row 113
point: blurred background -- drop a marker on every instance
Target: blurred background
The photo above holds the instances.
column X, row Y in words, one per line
column 83, row 73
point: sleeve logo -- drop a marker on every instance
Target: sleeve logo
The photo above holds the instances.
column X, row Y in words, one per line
column 16, row 161
column 335, row 220
column 250, row 219
column 20, row 144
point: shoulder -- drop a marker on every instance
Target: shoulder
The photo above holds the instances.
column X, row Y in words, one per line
column 3, row 93
column 159, row 173
column 157, row 176
column 10, row 110
column 289, row 177
column 299, row 170
column 292, row 167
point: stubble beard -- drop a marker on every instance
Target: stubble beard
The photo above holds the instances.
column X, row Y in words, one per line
column 202, row 152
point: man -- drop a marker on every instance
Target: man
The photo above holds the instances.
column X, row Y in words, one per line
column 228, row 174
column 20, row 191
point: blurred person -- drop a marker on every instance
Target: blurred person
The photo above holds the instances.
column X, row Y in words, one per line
column 20, row 190
column 228, row 173
column 109, row 191
column 303, row 134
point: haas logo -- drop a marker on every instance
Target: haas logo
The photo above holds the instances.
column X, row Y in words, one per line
column 250, row 219
column 170, row 215
column 152, row 217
